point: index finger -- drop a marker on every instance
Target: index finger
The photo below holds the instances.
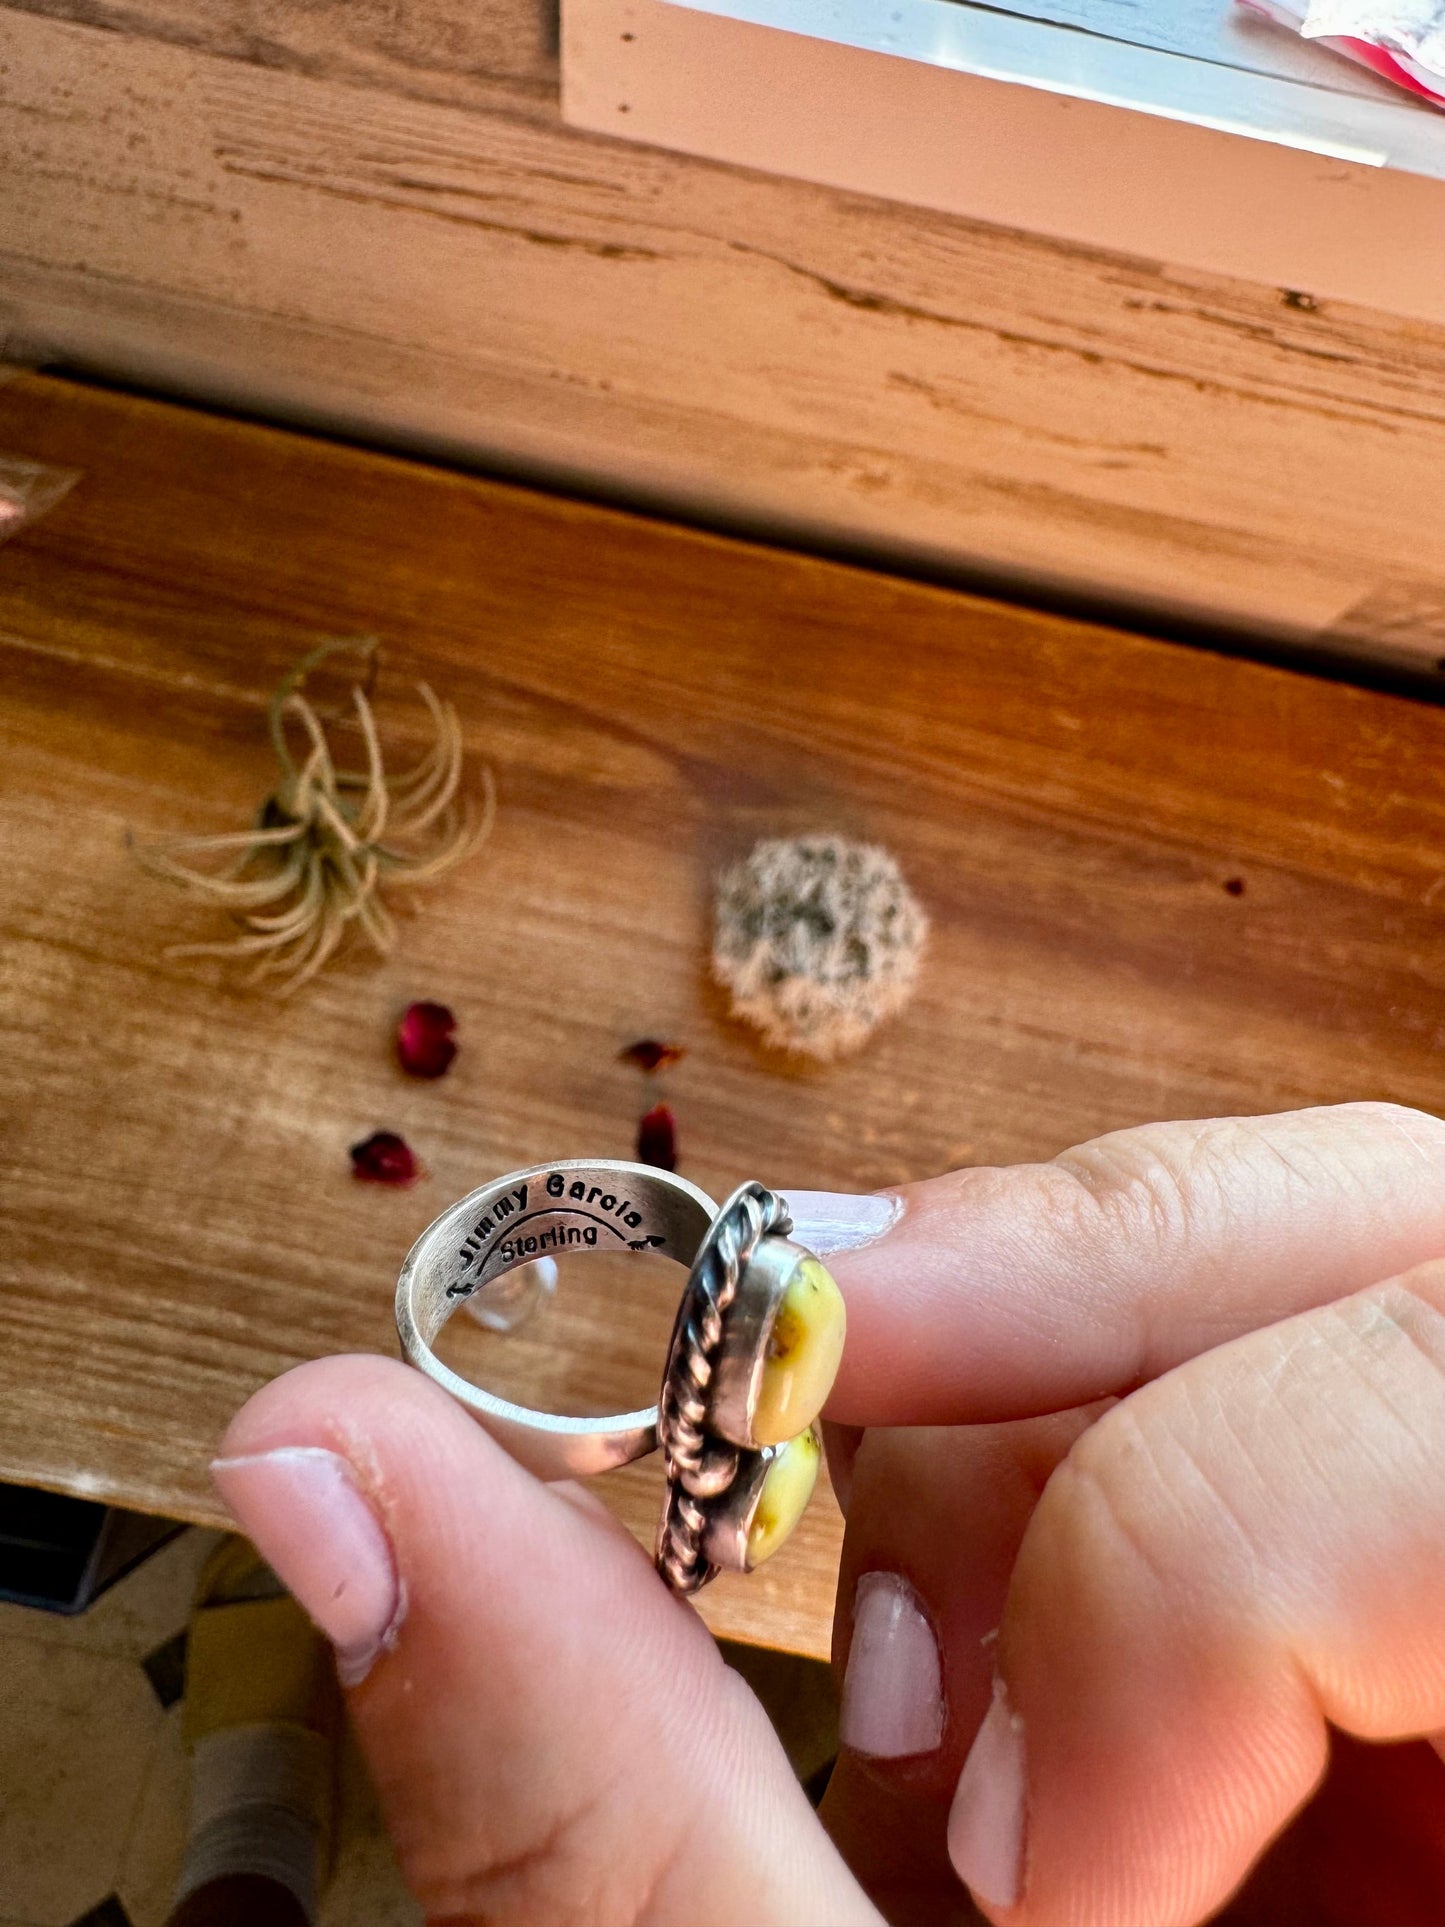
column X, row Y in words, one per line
column 1001, row 1293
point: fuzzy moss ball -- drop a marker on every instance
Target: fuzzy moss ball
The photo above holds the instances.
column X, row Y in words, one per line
column 817, row 940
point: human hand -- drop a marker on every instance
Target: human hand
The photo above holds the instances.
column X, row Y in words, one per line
column 1147, row 1410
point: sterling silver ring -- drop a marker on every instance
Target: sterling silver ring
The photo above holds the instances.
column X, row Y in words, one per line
column 755, row 1347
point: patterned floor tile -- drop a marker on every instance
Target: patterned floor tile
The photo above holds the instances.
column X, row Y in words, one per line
column 152, row 1857
column 94, row 1781
column 165, row 1668
column 139, row 1612
column 110, row 1913
column 76, row 1733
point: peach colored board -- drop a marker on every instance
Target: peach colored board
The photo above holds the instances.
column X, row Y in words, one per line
column 1207, row 196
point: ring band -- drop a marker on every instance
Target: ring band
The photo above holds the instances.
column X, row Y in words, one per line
column 579, row 1204
column 754, row 1348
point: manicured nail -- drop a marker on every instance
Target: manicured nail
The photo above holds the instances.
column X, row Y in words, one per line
column 893, row 1689
column 987, row 1824
column 300, row 1507
column 827, row 1221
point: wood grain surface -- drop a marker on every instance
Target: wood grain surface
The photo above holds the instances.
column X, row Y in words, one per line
column 1162, row 883
column 467, row 51
column 370, row 218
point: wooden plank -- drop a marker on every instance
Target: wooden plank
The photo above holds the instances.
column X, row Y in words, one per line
column 465, row 51
column 177, row 1222
column 754, row 351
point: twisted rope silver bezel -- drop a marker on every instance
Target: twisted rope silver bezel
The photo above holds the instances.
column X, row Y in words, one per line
column 700, row 1466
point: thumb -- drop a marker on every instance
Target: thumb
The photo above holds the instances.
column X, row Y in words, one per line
column 553, row 1737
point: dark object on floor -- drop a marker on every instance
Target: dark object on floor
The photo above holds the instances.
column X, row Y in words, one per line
column 110, row 1913
column 236, row 1900
column 165, row 1667
column 657, row 1139
column 59, row 1553
column 384, row 1158
column 426, row 1040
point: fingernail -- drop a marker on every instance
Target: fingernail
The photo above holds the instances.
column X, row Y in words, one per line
column 893, row 1689
column 828, row 1221
column 300, row 1507
column 987, row 1823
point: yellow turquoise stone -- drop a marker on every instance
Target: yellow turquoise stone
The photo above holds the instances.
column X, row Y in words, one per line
column 803, row 1353
column 785, row 1495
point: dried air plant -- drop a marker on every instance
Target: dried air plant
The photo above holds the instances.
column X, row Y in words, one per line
column 327, row 837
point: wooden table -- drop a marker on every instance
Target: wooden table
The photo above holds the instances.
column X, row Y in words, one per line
column 1162, row 882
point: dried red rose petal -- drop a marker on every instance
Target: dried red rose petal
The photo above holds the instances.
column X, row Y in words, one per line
column 657, row 1139
column 384, row 1158
column 426, row 1039
column 650, row 1055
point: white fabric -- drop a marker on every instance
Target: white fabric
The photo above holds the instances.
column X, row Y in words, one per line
column 1413, row 27
column 1410, row 32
